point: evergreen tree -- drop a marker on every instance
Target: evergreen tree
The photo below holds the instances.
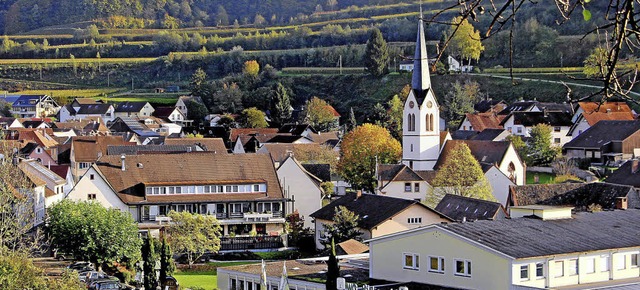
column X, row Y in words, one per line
column 149, row 260
column 167, row 266
column 376, row 59
column 222, row 18
column 351, row 123
column 344, row 226
column 280, row 105
column 333, row 269
column 197, row 82
column 539, row 149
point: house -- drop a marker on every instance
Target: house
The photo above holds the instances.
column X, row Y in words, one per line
column 54, row 184
column 481, row 121
column 301, row 187
column 552, row 250
column 406, row 65
column 37, row 152
column 400, row 181
column 85, row 127
column 182, row 102
column 378, row 215
column 30, row 190
column 606, row 142
column 87, row 149
column 462, row 209
column 589, row 113
column 492, row 135
column 215, row 145
column 34, row 106
column 281, row 151
column 627, row 174
column 151, row 149
column 535, row 106
column 173, row 115
column 145, row 130
column 331, row 139
column 303, row 130
column 250, row 139
column 579, row 196
column 489, row 105
column 520, row 123
column 140, row 110
column 241, row 190
column 458, row 66
column 34, row 123
column 10, row 122
column 63, row 171
column 81, row 111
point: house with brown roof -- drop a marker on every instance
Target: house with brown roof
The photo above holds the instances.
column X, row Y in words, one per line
column 86, row 150
column 173, row 115
column 134, row 110
column 481, row 121
column 400, row 181
column 207, row 144
column 589, row 113
column 378, row 215
column 627, row 174
column 301, row 187
column 241, row 190
column 54, row 183
column 489, row 105
column 84, row 127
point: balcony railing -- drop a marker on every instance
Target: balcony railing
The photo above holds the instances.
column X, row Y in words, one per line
column 247, row 243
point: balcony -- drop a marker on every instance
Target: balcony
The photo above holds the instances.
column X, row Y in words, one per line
column 261, row 217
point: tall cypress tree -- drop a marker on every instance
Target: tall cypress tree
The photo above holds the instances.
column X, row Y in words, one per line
column 166, row 261
column 376, row 57
column 280, row 105
column 148, row 258
column 351, row 123
column 333, row 271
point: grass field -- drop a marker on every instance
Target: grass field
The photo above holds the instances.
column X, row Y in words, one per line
column 67, row 61
column 205, row 277
column 545, row 178
column 83, row 93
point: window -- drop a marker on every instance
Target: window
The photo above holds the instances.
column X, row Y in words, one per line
column 84, row 165
column 38, row 150
column 417, row 220
column 604, row 263
column 524, row 272
column 436, row 265
column 416, row 187
column 91, row 176
column 634, row 260
column 539, row 270
column 463, row 268
column 256, row 188
column 558, row 268
column 411, row 261
column 509, row 129
column 411, row 147
column 556, row 129
column 590, row 265
column 91, row 196
column 573, row 267
column 556, row 140
column 519, row 129
column 407, row 187
column 620, row 262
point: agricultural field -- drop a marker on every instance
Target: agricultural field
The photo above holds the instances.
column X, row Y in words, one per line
column 69, row 61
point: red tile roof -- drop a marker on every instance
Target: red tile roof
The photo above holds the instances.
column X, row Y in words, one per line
column 481, row 121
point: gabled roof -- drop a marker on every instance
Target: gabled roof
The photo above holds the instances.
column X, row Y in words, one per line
column 321, row 171
column 461, row 208
column 627, row 174
column 235, row 132
column 39, row 136
column 164, row 112
column 532, row 237
column 604, row 132
column 520, row 106
column 9, row 99
column 296, row 129
column 131, row 107
column 280, row 151
column 28, row 148
column 488, row 152
column 150, row 149
column 28, row 100
column 90, row 148
column 352, row 247
column 533, row 193
column 593, row 112
column 85, row 125
column 325, row 138
column 207, row 144
column 94, row 109
column 33, row 124
column 60, row 170
column 578, row 195
column 482, row 121
column 198, row 168
column 529, row 119
column 463, row 134
column 286, row 138
column 486, row 105
column 555, row 107
column 86, row 101
column 489, row 134
column 32, row 167
column 371, row 209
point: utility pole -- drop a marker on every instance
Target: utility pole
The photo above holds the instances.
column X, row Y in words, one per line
column 340, row 63
column 132, row 84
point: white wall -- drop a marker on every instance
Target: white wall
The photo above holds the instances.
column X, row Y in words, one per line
column 98, row 186
column 512, row 156
column 582, row 126
column 396, row 189
column 499, row 184
column 295, row 182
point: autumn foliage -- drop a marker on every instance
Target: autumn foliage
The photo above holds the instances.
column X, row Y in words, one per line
column 360, row 148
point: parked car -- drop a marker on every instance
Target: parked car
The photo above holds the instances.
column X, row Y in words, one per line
column 105, row 283
column 95, row 275
column 80, row 266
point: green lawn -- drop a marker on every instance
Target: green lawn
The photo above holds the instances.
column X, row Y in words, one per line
column 202, row 276
column 545, row 178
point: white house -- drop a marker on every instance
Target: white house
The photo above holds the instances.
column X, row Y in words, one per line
column 400, row 181
column 302, row 187
column 520, row 123
column 458, row 66
column 554, row 249
column 77, row 111
column 589, row 113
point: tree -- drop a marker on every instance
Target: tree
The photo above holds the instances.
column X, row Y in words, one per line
column 319, row 114
column 309, row 154
column 222, row 18
column 376, row 57
column 332, row 4
column 93, row 233
column 393, row 120
column 362, row 149
column 280, row 105
column 228, row 99
column 595, row 65
column 253, row 118
column 351, row 122
column 196, row 112
column 197, row 81
column 167, row 265
column 251, row 68
column 333, row 269
column 149, row 259
column 460, row 174
column 295, row 227
column 460, row 100
column 92, row 32
column 539, row 148
column 18, row 272
column 343, row 227
column 259, row 20
column 465, row 42
column 193, row 234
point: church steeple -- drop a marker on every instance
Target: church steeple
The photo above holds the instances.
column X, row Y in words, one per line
column 420, row 80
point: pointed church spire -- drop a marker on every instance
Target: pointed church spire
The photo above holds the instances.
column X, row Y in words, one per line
column 420, row 79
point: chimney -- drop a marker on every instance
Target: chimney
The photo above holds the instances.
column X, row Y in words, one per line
column 621, row 202
column 608, row 110
column 122, row 158
column 634, row 165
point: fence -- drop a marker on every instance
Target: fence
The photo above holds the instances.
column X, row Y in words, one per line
column 250, row 243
